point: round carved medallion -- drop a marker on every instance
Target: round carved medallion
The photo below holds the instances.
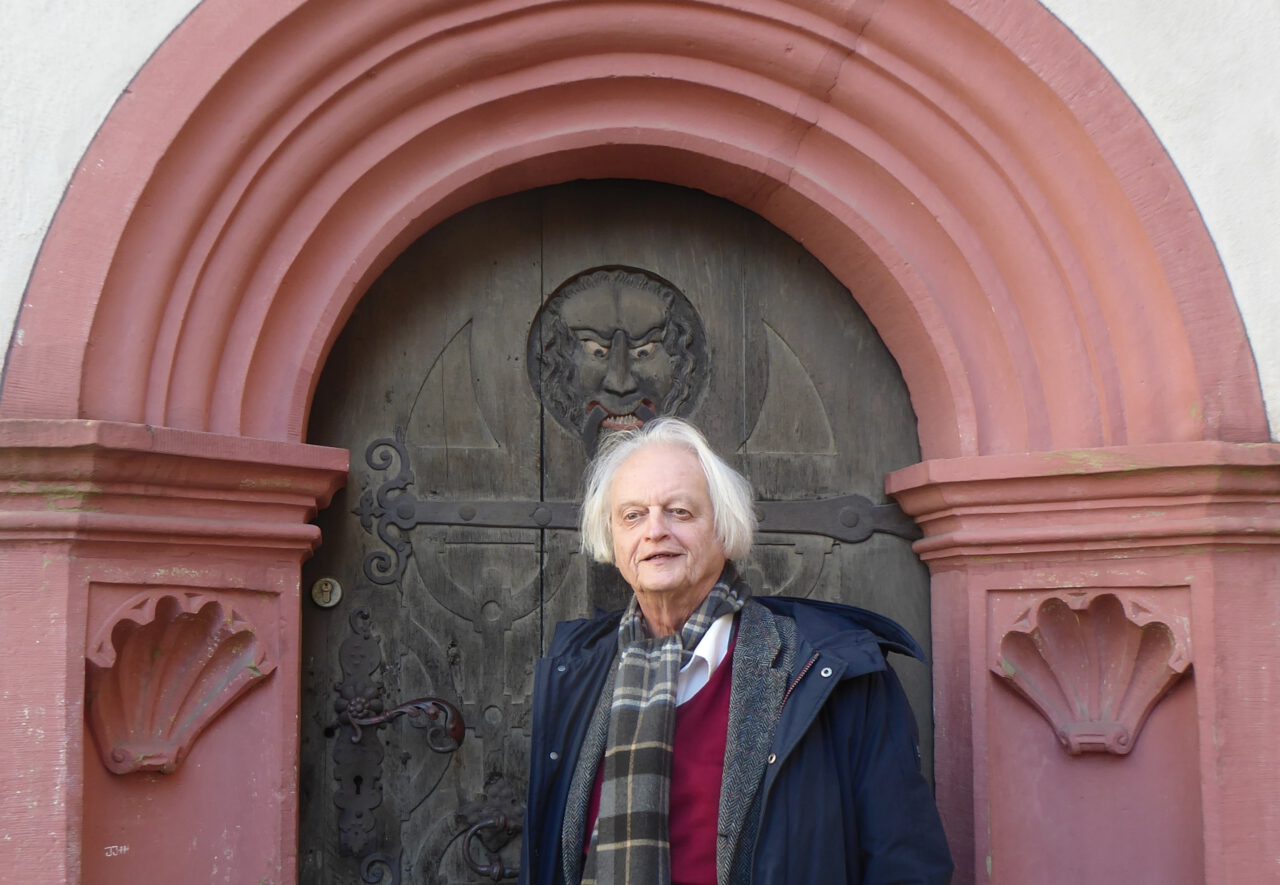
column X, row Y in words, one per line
column 614, row 347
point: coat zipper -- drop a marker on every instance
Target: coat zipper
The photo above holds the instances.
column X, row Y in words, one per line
column 786, row 697
column 803, row 670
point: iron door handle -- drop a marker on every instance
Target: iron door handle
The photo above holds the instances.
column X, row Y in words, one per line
column 496, row 869
column 441, row 719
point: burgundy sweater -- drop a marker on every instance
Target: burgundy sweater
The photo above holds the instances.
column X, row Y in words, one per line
column 702, row 731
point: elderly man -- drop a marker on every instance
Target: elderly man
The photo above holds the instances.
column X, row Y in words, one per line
column 708, row 736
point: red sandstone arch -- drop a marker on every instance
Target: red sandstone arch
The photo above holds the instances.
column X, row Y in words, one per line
column 969, row 171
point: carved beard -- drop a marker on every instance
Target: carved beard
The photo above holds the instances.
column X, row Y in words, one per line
column 593, row 428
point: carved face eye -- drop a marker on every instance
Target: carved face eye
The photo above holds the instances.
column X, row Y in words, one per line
column 595, row 349
column 644, row 351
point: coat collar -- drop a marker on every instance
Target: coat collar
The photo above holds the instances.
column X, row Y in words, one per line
column 762, row 660
column 855, row 635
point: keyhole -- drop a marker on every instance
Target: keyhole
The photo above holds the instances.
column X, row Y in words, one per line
column 357, row 782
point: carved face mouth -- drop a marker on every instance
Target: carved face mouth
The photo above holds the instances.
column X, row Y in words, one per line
column 644, row 412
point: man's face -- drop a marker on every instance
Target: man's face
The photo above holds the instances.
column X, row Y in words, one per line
column 620, row 361
column 664, row 536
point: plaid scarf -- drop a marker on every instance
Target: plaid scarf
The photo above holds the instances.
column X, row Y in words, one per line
column 632, row 841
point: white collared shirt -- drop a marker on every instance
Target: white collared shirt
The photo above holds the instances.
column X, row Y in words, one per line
column 708, row 654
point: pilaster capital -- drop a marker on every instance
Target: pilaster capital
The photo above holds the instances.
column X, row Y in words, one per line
column 84, row 480
column 1123, row 498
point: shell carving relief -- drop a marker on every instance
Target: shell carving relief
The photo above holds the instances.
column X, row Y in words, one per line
column 161, row 672
column 1093, row 671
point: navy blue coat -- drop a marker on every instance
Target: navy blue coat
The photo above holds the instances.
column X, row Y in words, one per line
column 842, row 799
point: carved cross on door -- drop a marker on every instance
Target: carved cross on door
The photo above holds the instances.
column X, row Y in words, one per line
column 847, row 518
column 473, row 393
column 611, row 349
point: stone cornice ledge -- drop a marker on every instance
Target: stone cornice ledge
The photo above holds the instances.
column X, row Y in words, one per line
column 1121, row 499
column 100, row 480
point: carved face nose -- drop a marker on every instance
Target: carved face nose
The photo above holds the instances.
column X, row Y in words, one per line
column 619, row 380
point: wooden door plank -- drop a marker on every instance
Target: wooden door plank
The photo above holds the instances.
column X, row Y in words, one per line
column 796, row 390
column 435, row 350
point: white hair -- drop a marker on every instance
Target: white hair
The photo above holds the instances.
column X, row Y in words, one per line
column 731, row 498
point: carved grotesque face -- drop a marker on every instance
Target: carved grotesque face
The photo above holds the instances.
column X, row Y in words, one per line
column 614, row 348
column 621, row 366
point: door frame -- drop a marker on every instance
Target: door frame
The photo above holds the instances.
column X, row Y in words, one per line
column 1001, row 211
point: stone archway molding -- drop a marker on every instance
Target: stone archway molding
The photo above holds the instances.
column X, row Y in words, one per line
column 1001, row 211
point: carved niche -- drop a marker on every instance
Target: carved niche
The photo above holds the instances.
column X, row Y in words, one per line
column 1093, row 669
column 614, row 347
column 161, row 671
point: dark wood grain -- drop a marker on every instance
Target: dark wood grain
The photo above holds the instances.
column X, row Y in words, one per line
column 801, row 396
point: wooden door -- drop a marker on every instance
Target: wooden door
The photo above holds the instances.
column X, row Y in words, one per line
column 470, row 385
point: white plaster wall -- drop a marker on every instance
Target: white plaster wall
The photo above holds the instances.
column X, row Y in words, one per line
column 1204, row 74
column 63, row 64
column 1207, row 77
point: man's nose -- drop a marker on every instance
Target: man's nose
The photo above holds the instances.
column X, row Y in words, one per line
column 618, row 380
column 655, row 523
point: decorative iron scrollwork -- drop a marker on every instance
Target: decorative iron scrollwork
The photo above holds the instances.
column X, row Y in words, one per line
column 380, row 869
column 493, row 831
column 378, row 510
column 848, row 518
column 441, row 719
column 358, row 759
column 358, row 764
column 393, row 510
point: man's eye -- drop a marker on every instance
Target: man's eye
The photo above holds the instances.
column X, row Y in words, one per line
column 595, row 349
column 680, row 512
column 631, row 516
column 644, row 351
